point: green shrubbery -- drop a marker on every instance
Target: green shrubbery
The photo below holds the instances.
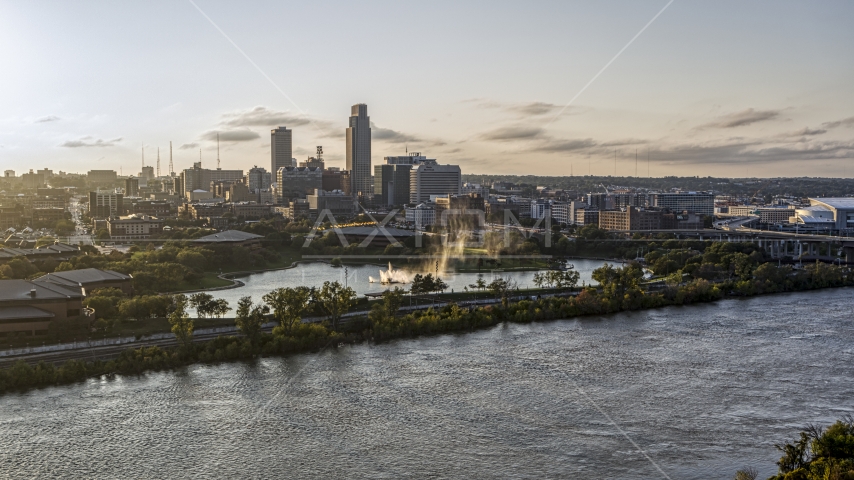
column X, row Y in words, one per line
column 620, row 290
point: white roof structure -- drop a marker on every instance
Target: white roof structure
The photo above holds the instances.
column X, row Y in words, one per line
column 228, row 236
column 835, row 202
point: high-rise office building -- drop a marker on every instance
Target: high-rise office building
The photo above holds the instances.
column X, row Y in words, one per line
column 131, row 186
column 392, row 182
column 258, row 179
column 297, row 182
column 105, row 204
column 433, row 179
column 281, row 149
column 359, row 151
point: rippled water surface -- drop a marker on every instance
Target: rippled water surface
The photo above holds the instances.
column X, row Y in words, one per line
column 702, row 390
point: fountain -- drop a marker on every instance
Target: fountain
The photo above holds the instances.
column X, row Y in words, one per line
column 391, row 276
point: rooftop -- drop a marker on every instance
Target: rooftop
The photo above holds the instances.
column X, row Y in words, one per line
column 367, row 231
column 228, row 236
column 23, row 313
column 836, row 202
column 84, row 276
column 21, row 290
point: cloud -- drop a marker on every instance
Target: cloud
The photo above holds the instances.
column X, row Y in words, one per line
column 847, row 122
column 391, row 136
column 556, row 146
column 263, row 117
column 805, row 132
column 743, row 118
column 740, row 151
column 49, row 118
column 508, row 134
column 239, row 135
column 88, row 141
column 533, row 108
column 188, row 146
column 523, row 110
column 623, row 142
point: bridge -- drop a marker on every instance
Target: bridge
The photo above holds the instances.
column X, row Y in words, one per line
column 775, row 244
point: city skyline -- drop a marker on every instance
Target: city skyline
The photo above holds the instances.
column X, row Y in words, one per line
column 707, row 89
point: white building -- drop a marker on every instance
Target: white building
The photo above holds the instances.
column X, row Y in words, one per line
column 838, row 211
column 421, row 215
column 433, row 179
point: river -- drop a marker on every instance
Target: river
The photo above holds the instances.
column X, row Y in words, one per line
column 315, row 273
column 696, row 392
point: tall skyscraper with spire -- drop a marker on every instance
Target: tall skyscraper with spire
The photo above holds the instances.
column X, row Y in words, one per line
column 359, row 150
column 281, row 149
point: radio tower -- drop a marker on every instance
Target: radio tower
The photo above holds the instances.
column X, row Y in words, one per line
column 158, row 161
column 143, row 157
column 217, row 151
column 171, row 167
column 319, row 153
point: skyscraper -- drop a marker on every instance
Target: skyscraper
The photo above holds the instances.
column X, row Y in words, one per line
column 359, row 151
column 281, row 148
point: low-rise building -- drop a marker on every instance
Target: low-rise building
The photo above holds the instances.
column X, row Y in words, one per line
column 630, row 218
column 90, row 279
column 231, row 237
column 249, row 210
column 134, row 227
column 336, row 202
column 28, row 307
column 420, row 215
column 587, row 216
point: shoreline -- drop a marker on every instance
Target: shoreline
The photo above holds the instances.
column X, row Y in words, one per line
column 314, row 337
column 238, row 283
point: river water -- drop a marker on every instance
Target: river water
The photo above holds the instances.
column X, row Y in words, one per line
column 314, row 274
column 700, row 391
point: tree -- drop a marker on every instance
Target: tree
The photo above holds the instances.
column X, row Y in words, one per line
column 539, row 280
column 501, row 288
column 392, row 300
column 203, row 303
column 819, row 454
column 336, row 300
column 192, row 259
column 250, row 318
column 288, row 305
column 419, row 284
column 219, row 307
column 182, row 324
column 439, row 285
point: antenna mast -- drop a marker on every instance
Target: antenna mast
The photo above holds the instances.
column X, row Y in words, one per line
column 171, row 167
column 143, row 157
column 158, row 161
column 217, row 151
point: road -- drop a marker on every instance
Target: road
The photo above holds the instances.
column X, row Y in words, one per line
column 81, row 235
column 111, row 351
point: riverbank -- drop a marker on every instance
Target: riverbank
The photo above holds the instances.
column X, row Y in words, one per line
column 385, row 323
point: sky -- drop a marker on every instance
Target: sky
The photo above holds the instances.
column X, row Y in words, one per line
column 724, row 88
